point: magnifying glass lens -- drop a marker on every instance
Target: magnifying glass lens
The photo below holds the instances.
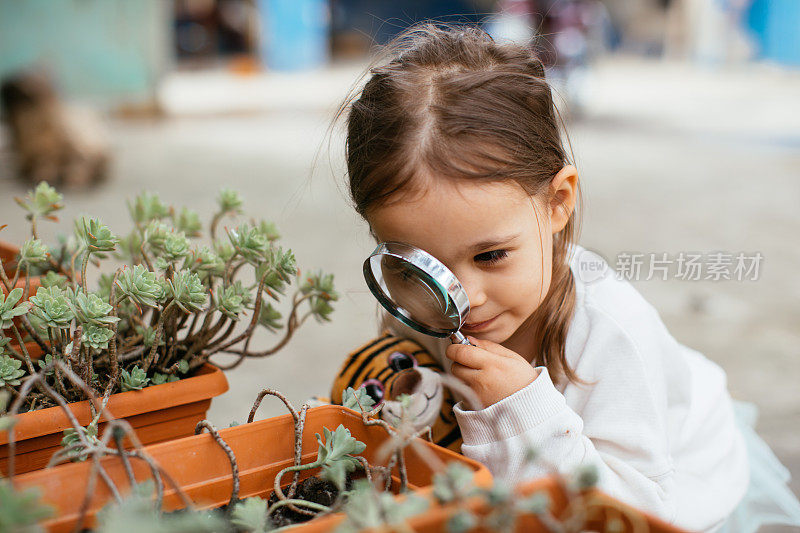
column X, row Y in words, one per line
column 415, row 293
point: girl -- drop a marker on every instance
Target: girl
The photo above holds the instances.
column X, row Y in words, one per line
column 453, row 145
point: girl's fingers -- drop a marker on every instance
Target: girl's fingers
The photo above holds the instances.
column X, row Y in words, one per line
column 469, row 356
column 464, row 373
column 493, row 347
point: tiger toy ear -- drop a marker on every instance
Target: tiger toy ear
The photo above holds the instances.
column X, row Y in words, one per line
column 388, row 366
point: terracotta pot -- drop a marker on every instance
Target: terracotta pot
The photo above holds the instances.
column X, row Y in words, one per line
column 202, row 469
column 157, row 413
column 605, row 509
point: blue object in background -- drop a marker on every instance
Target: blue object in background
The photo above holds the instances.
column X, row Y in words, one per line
column 111, row 51
column 776, row 27
column 294, row 33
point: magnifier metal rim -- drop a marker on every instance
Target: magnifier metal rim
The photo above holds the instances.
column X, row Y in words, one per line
column 428, row 264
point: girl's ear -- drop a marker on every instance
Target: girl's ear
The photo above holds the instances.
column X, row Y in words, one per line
column 563, row 194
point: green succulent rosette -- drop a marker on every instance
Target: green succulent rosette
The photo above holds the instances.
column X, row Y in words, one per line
column 141, row 285
column 51, row 305
column 187, row 291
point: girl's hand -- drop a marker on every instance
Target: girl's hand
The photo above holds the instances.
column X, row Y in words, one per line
column 492, row 371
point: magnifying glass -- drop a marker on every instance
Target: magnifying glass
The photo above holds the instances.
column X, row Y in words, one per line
column 417, row 289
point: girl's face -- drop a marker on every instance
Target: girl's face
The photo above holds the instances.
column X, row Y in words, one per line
column 494, row 237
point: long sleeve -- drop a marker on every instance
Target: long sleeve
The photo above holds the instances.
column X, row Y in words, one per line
column 622, row 428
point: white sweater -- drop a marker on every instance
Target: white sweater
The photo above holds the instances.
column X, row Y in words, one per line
column 658, row 423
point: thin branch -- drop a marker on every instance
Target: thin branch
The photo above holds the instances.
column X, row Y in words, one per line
column 205, row 424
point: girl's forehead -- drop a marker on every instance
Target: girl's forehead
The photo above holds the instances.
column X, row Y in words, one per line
column 449, row 216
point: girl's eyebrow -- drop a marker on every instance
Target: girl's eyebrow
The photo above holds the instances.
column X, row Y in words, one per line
column 491, row 243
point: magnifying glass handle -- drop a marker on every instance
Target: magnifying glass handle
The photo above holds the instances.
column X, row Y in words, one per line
column 459, row 338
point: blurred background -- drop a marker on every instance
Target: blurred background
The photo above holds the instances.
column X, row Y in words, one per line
column 684, row 121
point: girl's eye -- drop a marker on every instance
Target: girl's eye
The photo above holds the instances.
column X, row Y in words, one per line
column 491, row 257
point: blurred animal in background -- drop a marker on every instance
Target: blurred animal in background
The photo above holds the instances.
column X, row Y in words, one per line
column 62, row 144
column 388, row 367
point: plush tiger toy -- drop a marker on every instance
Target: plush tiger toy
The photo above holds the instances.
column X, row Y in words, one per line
column 389, row 366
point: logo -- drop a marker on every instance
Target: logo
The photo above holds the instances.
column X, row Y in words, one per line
column 591, row 266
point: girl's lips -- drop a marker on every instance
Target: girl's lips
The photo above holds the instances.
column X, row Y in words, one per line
column 478, row 326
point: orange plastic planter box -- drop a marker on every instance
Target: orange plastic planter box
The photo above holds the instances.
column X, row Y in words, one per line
column 605, row 510
column 203, row 470
column 157, row 413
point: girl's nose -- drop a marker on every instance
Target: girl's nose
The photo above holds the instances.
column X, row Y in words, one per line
column 475, row 290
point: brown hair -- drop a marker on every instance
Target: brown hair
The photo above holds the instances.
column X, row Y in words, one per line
column 451, row 101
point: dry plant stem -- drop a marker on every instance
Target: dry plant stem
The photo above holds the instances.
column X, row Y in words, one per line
column 90, row 483
column 199, row 340
column 112, row 346
column 26, row 292
column 4, row 277
column 205, row 424
column 293, row 323
column 222, row 337
column 85, row 264
column 72, row 267
column 253, row 320
column 34, row 335
column 26, row 356
column 103, row 474
column 311, row 505
column 125, row 462
column 299, row 423
column 367, row 468
column 157, row 471
column 388, row 472
column 298, row 447
column 281, row 397
column 37, row 379
column 16, row 278
column 212, row 230
column 159, row 331
column 145, row 258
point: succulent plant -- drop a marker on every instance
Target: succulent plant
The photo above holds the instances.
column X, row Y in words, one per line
column 319, row 287
column 22, row 509
column 176, row 246
column 53, row 279
column 96, row 337
column 10, row 371
column 229, row 302
column 72, row 438
column 41, row 201
column 141, row 285
column 229, row 202
column 89, row 308
column 33, row 252
column 156, row 233
column 136, row 379
column 96, row 235
column 269, row 230
column 188, row 222
column 250, row 515
column 149, row 336
column 160, row 379
column 136, row 327
column 9, row 308
column 51, row 305
column 269, row 317
column 249, row 242
column 187, row 291
column 45, row 361
column 147, row 207
column 206, row 262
